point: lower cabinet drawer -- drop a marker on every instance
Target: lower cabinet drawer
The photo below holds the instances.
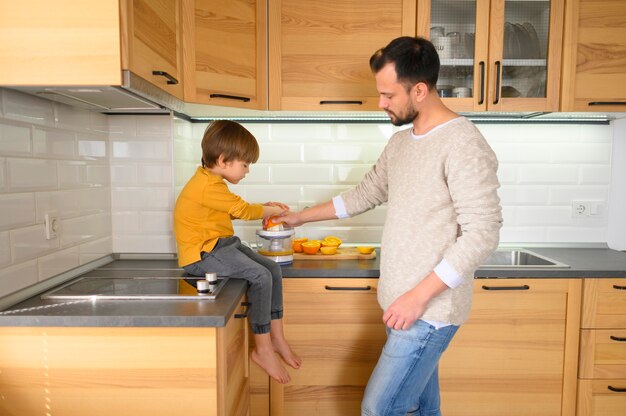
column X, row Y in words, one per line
column 602, row 397
column 602, row 353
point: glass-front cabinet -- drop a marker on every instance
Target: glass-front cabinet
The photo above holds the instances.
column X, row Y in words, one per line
column 498, row 55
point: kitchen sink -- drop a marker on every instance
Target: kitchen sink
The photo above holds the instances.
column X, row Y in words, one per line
column 519, row 258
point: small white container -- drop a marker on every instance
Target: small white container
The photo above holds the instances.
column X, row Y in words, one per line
column 462, row 92
column 443, row 45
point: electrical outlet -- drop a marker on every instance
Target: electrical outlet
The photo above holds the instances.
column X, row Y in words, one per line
column 581, row 208
column 51, row 225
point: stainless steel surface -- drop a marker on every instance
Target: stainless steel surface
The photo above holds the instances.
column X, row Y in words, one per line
column 137, row 288
column 520, row 258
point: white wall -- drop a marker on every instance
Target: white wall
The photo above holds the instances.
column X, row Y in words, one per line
column 543, row 168
column 53, row 159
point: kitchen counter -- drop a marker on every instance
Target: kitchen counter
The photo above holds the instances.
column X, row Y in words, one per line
column 583, row 262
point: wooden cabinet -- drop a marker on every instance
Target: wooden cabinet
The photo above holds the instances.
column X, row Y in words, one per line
column 335, row 325
column 594, row 61
column 69, row 371
column 319, row 51
column 153, row 42
column 61, row 42
column 496, row 55
column 602, row 361
column 516, row 355
column 69, row 43
column 226, row 53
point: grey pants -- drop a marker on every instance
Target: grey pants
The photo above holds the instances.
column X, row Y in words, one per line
column 230, row 258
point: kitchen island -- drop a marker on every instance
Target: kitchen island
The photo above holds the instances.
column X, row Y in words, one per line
column 152, row 355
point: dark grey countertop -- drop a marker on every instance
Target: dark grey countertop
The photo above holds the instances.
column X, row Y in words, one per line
column 583, row 262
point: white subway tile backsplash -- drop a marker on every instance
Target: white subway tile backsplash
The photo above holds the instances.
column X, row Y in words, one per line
column 96, row 249
column 302, row 174
column 545, row 216
column 335, row 152
column 302, row 133
column 564, row 195
column 28, row 108
column 155, row 174
column 15, row 139
column 5, row 251
column 99, row 123
column 148, row 150
column 259, row 174
column 521, row 153
column 91, row 146
column 140, row 199
column 280, row 153
column 3, row 167
column 541, row 174
column 266, row 193
column 65, row 204
column 30, row 242
column 94, row 200
column 515, row 234
column 59, row 262
column 18, row 277
column 73, row 118
column 374, row 133
column 581, row 153
column 31, row 174
column 261, row 132
column 157, row 222
column 524, row 195
column 592, row 235
column 122, row 126
column 124, row 174
column 17, row 210
column 82, row 229
column 144, row 244
column 48, row 143
column 322, row 193
column 350, row 174
column 82, row 174
column 126, row 222
column 595, row 175
column 155, row 126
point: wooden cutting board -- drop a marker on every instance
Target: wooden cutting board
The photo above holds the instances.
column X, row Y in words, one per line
column 343, row 253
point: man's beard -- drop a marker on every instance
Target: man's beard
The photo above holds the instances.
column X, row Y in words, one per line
column 408, row 118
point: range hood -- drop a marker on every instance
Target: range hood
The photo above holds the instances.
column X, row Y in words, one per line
column 134, row 96
column 137, row 96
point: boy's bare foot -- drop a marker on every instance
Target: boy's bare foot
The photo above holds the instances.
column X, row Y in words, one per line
column 268, row 361
column 281, row 347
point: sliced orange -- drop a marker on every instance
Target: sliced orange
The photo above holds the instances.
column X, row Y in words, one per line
column 331, row 241
column 311, row 247
column 365, row 249
column 272, row 224
column 328, row 250
column 296, row 244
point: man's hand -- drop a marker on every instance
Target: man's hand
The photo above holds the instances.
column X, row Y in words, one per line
column 410, row 306
column 291, row 219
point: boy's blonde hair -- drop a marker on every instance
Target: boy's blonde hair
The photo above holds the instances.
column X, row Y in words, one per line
column 230, row 139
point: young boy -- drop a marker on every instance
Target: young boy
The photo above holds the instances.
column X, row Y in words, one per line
column 206, row 242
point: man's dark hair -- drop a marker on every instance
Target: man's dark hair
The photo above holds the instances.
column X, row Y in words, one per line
column 415, row 59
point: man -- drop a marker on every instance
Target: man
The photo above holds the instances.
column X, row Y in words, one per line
column 439, row 181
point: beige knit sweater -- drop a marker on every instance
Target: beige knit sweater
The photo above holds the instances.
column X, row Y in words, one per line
column 441, row 191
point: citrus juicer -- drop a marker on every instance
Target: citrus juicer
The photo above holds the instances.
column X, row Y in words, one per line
column 276, row 244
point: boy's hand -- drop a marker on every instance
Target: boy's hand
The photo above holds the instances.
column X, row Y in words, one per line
column 277, row 204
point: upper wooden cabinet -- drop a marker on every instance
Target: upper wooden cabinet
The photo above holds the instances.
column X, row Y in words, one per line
column 319, row 51
column 153, row 42
column 61, row 42
column 225, row 52
column 496, row 55
column 594, row 61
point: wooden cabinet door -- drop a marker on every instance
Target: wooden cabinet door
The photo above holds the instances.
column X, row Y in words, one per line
column 62, row 42
column 498, row 55
column 517, row 353
column 602, row 397
column 336, row 327
column 153, row 42
column 319, row 51
column 594, row 64
column 226, row 53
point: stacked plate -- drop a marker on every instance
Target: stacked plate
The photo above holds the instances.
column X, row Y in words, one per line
column 521, row 41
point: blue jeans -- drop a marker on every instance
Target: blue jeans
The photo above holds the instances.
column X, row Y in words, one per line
column 406, row 377
column 230, row 258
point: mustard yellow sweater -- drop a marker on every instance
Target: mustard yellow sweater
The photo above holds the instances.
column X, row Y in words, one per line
column 204, row 212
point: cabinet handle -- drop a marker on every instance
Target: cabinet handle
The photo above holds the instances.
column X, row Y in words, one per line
column 618, row 287
column 230, row 97
column 346, row 288
column 482, row 82
column 620, row 339
column 170, row 79
column 607, row 103
column 498, row 66
column 357, row 102
column 617, row 389
column 523, row 287
column 244, row 314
